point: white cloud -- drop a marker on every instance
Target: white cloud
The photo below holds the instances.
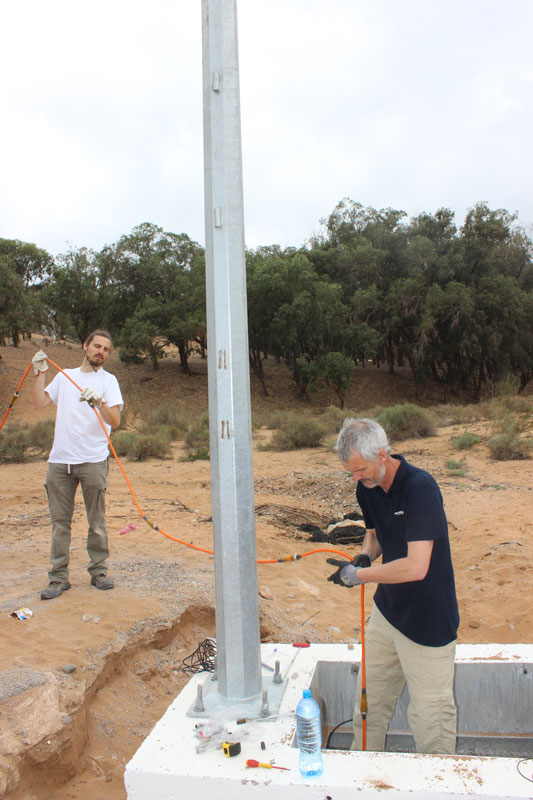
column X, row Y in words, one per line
column 413, row 105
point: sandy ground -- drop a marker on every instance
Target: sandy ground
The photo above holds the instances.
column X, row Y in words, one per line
column 68, row 733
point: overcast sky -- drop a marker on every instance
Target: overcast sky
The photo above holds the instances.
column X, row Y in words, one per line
column 412, row 104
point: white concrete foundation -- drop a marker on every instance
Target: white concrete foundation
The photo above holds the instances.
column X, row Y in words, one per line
column 167, row 766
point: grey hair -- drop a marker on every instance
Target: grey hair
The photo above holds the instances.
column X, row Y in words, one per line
column 366, row 436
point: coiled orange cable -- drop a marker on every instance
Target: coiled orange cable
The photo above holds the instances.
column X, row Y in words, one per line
column 293, row 557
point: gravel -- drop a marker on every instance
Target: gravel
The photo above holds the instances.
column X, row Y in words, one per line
column 16, row 681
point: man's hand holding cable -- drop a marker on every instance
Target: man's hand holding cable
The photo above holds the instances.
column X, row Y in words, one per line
column 39, row 362
column 346, row 574
column 92, row 397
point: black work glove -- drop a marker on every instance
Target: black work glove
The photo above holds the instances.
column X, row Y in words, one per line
column 346, row 574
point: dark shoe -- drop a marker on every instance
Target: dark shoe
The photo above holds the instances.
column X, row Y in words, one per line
column 54, row 589
column 102, row 582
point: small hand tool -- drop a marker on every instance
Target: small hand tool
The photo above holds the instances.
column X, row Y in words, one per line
column 251, row 762
column 231, row 748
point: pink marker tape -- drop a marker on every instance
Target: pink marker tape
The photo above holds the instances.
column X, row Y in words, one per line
column 129, row 527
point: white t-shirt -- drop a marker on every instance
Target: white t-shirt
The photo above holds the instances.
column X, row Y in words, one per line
column 79, row 437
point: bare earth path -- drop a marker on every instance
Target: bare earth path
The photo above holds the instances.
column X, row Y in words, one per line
column 68, row 734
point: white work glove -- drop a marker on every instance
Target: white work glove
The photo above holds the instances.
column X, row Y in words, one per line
column 92, row 397
column 39, row 362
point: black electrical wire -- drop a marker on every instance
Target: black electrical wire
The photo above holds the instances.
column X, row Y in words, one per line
column 203, row 659
column 335, row 728
column 524, row 761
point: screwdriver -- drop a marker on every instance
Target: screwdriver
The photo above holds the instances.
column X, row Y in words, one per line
column 251, row 762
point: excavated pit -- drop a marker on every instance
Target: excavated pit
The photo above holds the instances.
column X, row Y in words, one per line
column 55, row 728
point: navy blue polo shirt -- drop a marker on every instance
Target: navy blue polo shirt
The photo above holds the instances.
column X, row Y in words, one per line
column 412, row 510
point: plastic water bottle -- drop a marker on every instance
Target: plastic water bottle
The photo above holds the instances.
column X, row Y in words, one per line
column 309, row 736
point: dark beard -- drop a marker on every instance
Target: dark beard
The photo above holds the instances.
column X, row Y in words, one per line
column 95, row 362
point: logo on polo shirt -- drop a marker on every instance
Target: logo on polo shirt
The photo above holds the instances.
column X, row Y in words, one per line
column 398, row 513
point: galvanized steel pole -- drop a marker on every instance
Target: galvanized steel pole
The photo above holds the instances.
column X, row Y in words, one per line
column 237, row 609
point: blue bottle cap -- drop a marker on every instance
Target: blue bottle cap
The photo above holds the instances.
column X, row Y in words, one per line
column 307, row 692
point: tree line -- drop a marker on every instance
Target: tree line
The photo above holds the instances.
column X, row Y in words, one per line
column 454, row 305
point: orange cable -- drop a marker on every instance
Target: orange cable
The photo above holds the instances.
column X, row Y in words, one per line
column 294, row 557
column 364, row 702
column 15, row 397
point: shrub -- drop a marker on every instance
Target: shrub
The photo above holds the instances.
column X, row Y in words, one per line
column 167, row 417
column 507, row 386
column 121, row 441
column 332, row 418
column 140, row 446
column 406, row 421
column 20, row 444
column 150, row 445
column 510, row 404
column 450, row 414
column 456, row 469
column 197, row 439
column 41, row 436
column 508, row 446
column 14, row 445
column 451, row 463
column 275, row 419
column 465, row 440
column 296, row 433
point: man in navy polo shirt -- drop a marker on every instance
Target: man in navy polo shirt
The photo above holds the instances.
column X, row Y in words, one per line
column 413, row 626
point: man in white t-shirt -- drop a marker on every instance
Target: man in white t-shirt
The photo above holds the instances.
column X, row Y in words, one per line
column 79, row 455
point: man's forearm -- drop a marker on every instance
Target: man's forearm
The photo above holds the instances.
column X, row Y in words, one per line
column 40, row 398
column 370, row 545
column 111, row 415
column 413, row 567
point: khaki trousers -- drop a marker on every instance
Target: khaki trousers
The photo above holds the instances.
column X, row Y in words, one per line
column 61, row 483
column 392, row 660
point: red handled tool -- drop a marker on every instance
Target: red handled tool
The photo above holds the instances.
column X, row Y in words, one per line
column 251, row 762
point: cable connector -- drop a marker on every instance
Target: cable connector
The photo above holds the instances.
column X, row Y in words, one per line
column 364, row 703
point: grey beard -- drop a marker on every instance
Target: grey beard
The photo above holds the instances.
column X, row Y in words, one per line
column 381, row 475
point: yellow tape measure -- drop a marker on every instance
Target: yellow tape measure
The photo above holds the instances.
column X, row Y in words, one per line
column 231, row 748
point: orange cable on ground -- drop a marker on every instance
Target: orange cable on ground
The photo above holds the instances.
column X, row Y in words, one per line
column 294, row 557
column 364, row 699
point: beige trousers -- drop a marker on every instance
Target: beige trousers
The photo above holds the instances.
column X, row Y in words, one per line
column 392, row 660
column 62, row 480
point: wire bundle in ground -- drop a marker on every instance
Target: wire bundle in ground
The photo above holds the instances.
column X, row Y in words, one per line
column 203, row 659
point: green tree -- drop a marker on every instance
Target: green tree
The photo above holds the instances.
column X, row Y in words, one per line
column 16, row 307
column 268, row 289
column 74, row 295
column 24, row 266
column 336, row 371
column 521, row 348
column 450, row 332
column 31, row 263
column 311, row 321
column 503, row 310
column 487, row 239
column 156, row 288
column 369, row 327
column 404, row 303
